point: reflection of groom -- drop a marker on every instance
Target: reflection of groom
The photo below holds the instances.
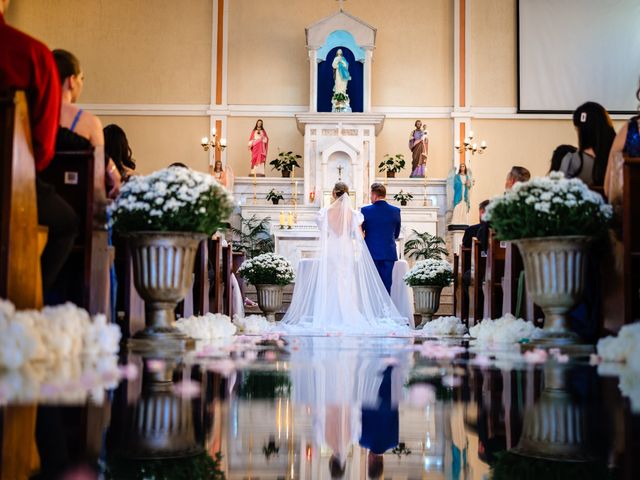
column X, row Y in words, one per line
column 381, row 228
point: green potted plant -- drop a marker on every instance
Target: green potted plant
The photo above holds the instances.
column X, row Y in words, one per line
column 402, row 197
column 253, row 237
column 424, row 246
column 269, row 273
column 340, row 102
column 164, row 216
column 392, row 164
column 553, row 220
column 428, row 278
column 275, row 196
column 285, row 163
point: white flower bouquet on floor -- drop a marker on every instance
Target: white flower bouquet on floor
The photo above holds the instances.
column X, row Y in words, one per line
column 211, row 326
column 443, row 326
column 547, row 207
column 504, row 330
column 267, row 269
column 171, row 200
column 431, row 272
column 253, row 324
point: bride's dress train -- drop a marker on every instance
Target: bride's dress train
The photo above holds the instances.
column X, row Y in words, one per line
column 343, row 292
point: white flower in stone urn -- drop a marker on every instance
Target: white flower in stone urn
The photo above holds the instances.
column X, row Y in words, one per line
column 269, row 273
column 165, row 216
column 553, row 220
column 428, row 278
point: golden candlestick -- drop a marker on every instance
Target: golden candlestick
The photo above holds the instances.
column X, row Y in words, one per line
column 425, row 190
column 255, row 186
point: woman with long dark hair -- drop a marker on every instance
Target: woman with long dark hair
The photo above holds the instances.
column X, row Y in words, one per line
column 116, row 147
column 595, row 136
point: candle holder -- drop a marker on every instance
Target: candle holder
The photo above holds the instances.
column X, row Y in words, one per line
column 255, row 186
column 470, row 146
column 213, row 142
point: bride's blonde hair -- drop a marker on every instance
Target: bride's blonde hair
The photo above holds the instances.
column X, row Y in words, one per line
column 340, row 188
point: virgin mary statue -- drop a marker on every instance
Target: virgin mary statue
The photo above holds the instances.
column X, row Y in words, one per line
column 341, row 75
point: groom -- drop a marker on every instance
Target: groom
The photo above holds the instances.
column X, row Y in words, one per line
column 381, row 228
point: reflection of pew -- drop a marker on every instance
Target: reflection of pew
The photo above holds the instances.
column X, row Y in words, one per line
column 478, row 266
column 465, row 266
column 493, row 278
column 631, row 239
column 216, row 298
column 78, row 177
column 21, row 244
column 227, row 271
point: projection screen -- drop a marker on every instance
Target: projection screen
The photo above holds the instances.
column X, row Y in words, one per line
column 572, row 51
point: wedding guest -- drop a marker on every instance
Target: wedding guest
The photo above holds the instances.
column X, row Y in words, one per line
column 595, row 137
column 517, row 174
column 79, row 128
column 117, row 148
column 558, row 154
column 178, row 165
column 477, row 230
column 27, row 64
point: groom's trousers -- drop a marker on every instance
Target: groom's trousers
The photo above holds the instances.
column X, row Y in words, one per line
column 385, row 269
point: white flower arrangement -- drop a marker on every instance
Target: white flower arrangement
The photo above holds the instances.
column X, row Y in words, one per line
column 622, row 359
column 55, row 333
column 443, row 326
column 548, row 206
column 430, row 272
column 211, row 326
column 504, row 330
column 172, row 199
column 267, row 269
column 253, row 324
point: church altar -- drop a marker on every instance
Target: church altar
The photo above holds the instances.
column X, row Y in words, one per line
column 339, row 145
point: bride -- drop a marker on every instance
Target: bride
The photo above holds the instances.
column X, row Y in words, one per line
column 342, row 292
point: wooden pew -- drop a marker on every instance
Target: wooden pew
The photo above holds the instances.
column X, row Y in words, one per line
column 465, row 265
column 78, row 177
column 513, row 267
column 216, row 292
column 456, row 284
column 129, row 301
column 631, row 238
column 197, row 300
column 227, row 271
column 478, row 267
column 493, row 278
column 21, row 244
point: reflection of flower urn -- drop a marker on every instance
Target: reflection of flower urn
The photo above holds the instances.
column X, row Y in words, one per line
column 427, row 302
column 270, row 300
column 162, row 424
column 555, row 427
column 555, row 272
column 163, row 274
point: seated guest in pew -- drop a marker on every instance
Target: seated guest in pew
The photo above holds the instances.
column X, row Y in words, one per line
column 517, row 174
column 481, row 232
column 80, row 129
column 595, row 137
column 27, row 64
column 178, row 165
column 559, row 154
column 116, row 148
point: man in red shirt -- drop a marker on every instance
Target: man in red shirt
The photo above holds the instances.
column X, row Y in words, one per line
column 27, row 64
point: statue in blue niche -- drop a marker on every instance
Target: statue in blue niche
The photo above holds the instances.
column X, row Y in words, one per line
column 341, row 77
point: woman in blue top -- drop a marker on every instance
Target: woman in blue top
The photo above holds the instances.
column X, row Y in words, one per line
column 627, row 143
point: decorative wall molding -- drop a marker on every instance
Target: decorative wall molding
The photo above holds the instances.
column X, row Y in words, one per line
column 290, row 111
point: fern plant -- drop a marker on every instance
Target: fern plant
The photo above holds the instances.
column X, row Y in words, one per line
column 424, row 246
column 253, row 237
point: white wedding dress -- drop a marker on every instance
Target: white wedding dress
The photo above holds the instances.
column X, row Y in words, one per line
column 343, row 292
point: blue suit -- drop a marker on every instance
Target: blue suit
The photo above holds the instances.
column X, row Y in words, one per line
column 381, row 228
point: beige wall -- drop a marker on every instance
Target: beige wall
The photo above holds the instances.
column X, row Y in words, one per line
column 131, row 51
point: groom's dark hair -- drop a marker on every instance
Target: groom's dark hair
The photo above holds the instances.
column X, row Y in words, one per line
column 379, row 189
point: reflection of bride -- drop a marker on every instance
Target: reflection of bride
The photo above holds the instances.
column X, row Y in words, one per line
column 342, row 292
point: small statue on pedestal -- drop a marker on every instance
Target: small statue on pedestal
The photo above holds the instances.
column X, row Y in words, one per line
column 258, row 145
column 419, row 146
column 341, row 77
column 458, row 187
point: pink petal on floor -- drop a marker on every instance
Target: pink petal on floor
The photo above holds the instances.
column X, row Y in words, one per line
column 421, row 394
column 270, row 356
column 595, row 359
column 536, row 356
column 451, row 381
column 481, row 361
column 187, row 388
column 224, row 367
column 129, row 371
column 155, row 365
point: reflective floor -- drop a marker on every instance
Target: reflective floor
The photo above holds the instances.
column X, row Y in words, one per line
column 340, row 407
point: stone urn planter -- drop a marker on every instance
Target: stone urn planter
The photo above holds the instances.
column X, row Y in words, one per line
column 427, row 301
column 555, row 271
column 270, row 300
column 555, row 428
column 163, row 274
